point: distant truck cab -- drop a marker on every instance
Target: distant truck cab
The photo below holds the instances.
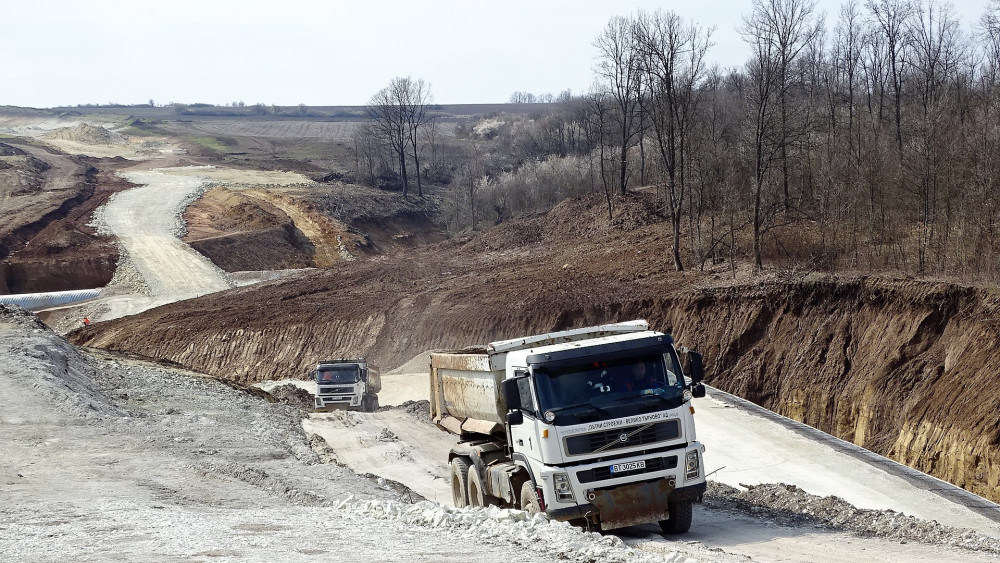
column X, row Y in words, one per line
column 346, row 383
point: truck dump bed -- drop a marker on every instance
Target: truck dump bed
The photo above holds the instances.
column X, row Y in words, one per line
column 465, row 393
column 465, row 385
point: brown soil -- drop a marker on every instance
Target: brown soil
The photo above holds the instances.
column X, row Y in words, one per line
column 331, row 240
column 45, row 242
column 240, row 233
column 382, row 222
column 896, row 366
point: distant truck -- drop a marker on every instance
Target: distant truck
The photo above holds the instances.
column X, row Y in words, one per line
column 592, row 426
column 346, row 383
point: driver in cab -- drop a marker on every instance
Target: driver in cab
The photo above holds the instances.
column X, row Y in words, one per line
column 641, row 378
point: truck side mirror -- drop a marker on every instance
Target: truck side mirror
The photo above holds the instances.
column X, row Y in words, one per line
column 697, row 368
column 515, row 417
column 511, row 394
column 698, row 390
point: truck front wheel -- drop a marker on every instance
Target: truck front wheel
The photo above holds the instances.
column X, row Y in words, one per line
column 529, row 499
column 367, row 404
column 459, row 488
column 679, row 520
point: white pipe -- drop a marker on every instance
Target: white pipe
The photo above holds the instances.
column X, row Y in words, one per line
column 39, row 301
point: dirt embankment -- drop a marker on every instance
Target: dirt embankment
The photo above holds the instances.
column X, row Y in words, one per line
column 902, row 368
column 240, row 233
column 45, row 242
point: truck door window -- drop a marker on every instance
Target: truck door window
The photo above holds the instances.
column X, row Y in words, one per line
column 524, row 390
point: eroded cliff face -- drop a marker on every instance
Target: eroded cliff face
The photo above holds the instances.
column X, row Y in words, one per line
column 906, row 369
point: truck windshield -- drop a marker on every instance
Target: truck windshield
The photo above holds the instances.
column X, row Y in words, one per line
column 604, row 390
column 338, row 374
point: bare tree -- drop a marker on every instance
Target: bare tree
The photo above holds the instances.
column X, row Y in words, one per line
column 619, row 67
column 893, row 18
column 937, row 50
column 597, row 107
column 671, row 54
column 398, row 111
column 417, row 100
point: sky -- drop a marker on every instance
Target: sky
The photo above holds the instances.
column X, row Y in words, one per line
column 332, row 52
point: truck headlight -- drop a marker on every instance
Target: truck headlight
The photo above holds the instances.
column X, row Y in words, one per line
column 692, row 465
column 564, row 492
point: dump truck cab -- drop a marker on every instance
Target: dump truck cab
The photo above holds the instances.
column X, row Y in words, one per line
column 605, row 430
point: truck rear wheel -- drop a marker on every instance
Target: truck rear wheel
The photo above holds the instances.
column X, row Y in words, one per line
column 679, row 520
column 477, row 493
column 529, row 499
column 459, row 488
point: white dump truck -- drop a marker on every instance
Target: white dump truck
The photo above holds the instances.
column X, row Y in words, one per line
column 346, row 383
column 593, row 426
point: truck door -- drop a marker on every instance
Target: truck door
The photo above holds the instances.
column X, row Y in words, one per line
column 524, row 436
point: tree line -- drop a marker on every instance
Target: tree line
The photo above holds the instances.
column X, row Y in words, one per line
column 868, row 139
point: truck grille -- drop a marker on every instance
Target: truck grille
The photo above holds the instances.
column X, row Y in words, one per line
column 602, row 473
column 331, row 390
column 611, row 440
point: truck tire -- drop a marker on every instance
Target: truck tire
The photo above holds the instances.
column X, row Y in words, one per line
column 477, row 493
column 369, row 403
column 459, row 487
column 529, row 500
column 679, row 520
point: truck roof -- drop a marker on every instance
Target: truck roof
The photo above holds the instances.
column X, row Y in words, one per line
column 567, row 336
column 520, row 356
column 342, row 361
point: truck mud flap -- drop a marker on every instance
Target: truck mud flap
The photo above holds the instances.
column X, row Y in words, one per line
column 631, row 505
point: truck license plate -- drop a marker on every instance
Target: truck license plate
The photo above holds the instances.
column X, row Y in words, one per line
column 630, row 466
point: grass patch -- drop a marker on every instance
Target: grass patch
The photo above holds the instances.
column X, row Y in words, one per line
column 211, row 143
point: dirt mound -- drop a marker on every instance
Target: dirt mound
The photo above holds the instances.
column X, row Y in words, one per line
column 56, row 249
column 292, row 395
column 60, row 379
column 793, row 506
column 7, row 150
column 88, row 134
column 421, row 410
column 21, row 174
column 890, row 365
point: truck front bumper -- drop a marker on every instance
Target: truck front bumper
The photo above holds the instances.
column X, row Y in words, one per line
column 693, row 493
column 337, row 401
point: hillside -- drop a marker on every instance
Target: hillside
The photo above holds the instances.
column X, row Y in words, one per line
column 896, row 366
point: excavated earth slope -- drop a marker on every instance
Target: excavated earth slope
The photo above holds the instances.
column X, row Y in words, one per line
column 46, row 199
column 901, row 367
column 240, row 233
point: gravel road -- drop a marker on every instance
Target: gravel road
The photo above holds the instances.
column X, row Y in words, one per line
column 147, row 220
